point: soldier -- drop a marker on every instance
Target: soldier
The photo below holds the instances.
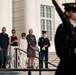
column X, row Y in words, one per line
column 44, row 44
column 67, row 65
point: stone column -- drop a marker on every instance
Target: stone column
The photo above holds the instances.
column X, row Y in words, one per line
column 30, row 15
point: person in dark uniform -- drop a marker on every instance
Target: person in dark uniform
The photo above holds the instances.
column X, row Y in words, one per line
column 44, row 44
column 67, row 64
column 4, row 42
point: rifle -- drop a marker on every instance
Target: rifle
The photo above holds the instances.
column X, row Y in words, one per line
column 66, row 24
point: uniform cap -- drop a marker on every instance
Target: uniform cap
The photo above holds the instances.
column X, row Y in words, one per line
column 70, row 7
column 44, row 31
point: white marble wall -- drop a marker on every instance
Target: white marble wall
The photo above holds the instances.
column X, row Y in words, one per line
column 6, row 15
column 18, row 16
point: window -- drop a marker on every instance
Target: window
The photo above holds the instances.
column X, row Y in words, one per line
column 47, row 20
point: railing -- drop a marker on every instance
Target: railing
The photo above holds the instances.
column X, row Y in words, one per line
column 30, row 70
column 31, row 55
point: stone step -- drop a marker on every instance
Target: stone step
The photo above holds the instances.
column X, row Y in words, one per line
column 52, row 59
column 25, row 73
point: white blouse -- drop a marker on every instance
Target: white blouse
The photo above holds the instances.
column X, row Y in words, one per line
column 23, row 44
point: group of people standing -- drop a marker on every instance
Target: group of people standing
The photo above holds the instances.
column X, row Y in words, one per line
column 27, row 43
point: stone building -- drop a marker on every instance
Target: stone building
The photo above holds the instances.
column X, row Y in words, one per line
column 36, row 14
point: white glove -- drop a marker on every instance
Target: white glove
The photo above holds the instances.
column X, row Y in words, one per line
column 43, row 48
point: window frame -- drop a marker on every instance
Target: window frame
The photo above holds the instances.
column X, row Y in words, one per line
column 51, row 19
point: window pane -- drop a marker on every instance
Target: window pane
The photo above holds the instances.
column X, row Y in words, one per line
column 48, row 25
column 49, row 29
column 46, row 20
column 42, row 24
column 48, row 12
column 42, row 11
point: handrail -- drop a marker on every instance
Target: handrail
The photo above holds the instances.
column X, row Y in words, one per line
column 27, row 69
column 35, row 56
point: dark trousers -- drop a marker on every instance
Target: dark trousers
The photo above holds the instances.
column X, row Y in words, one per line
column 3, row 58
column 44, row 55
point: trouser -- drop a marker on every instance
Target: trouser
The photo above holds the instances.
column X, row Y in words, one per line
column 3, row 58
column 13, row 56
column 22, row 60
column 44, row 56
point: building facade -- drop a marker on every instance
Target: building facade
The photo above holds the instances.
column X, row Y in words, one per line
column 36, row 14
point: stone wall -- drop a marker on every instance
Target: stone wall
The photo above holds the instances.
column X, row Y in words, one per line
column 18, row 16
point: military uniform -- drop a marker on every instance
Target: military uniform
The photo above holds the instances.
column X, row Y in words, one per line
column 44, row 50
column 64, row 50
